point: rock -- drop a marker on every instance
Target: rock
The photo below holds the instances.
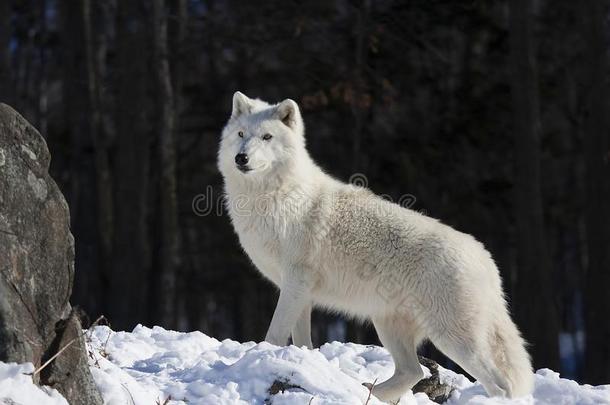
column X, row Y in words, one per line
column 432, row 386
column 37, row 264
column 69, row 372
column 281, row 385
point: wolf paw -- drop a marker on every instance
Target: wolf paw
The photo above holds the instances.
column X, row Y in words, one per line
column 379, row 395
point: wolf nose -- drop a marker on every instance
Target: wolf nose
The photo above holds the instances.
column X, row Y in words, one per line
column 241, row 159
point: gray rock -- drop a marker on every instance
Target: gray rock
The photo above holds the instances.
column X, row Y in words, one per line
column 69, row 372
column 37, row 264
column 432, row 386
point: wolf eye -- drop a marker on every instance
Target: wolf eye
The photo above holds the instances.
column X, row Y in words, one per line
column 240, row 134
column 266, row 137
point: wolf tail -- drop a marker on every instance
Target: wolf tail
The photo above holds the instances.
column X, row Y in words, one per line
column 513, row 363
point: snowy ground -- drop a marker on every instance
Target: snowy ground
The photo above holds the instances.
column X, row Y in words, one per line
column 156, row 366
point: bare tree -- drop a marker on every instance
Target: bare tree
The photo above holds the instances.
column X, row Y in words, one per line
column 43, row 97
column 178, row 41
column 535, row 308
column 81, row 170
column 597, row 157
column 94, row 46
column 358, row 88
column 131, row 251
column 165, row 132
column 6, row 93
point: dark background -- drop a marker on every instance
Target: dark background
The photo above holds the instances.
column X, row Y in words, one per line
column 492, row 114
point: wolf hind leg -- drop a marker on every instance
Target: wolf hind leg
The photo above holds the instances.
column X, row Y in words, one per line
column 476, row 358
column 402, row 345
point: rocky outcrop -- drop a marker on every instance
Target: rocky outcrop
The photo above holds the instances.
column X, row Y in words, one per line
column 37, row 265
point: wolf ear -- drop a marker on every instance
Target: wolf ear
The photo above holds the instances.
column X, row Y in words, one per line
column 241, row 105
column 288, row 112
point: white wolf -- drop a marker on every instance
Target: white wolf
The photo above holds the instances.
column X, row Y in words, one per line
column 338, row 246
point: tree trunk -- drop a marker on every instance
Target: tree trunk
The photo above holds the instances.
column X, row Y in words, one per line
column 131, row 250
column 359, row 88
column 43, row 99
column 6, row 81
column 178, row 34
column 82, row 172
column 177, row 67
column 105, row 215
column 597, row 157
column 165, row 294
column 536, row 312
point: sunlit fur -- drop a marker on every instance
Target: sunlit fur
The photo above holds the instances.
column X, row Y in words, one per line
column 337, row 246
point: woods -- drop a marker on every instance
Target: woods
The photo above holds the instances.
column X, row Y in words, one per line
column 491, row 116
column 597, row 151
column 534, row 267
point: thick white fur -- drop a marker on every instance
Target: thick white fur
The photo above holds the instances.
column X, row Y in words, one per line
column 338, row 246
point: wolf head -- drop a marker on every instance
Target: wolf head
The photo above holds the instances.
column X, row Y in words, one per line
column 261, row 140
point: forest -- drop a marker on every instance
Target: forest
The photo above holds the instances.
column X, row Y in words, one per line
column 490, row 115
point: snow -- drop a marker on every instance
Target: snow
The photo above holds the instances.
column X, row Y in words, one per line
column 549, row 389
column 154, row 365
column 16, row 387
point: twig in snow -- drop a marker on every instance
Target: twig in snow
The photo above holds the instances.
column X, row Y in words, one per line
column 158, row 401
column 129, row 392
column 370, row 387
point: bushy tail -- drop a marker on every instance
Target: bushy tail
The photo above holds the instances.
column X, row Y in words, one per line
column 511, row 358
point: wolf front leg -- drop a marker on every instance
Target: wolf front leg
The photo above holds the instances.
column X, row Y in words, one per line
column 301, row 333
column 295, row 296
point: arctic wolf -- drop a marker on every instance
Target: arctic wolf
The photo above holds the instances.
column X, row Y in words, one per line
column 333, row 245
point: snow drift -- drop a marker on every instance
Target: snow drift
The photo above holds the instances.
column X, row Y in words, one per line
column 157, row 366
